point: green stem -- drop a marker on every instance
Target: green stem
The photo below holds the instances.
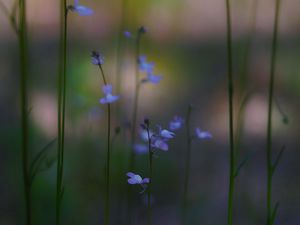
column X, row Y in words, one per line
column 149, row 213
column 187, row 166
column 107, row 175
column 24, row 118
column 61, row 95
column 230, row 102
column 269, row 125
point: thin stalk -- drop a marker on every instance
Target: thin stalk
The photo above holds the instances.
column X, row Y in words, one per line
column 187, row 166
column 61, row 95
column 230, row 102
column 269, row 124
column 149, row 213
column 107, row 175
column 24, row 118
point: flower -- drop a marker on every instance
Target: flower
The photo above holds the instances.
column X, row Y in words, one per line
column 159, row 143
column 127, row 34
column 154, row 79
column 109, row 98
column 140, row 148
column 167, row 134
column 176, row 123
column 81, row 10
column 144, row 135
column 136, row 179
column 144, row 66
column 97, row 59
column 203, row 134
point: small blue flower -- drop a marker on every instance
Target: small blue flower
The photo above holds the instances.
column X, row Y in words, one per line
column 97, row 59
column 144, row 135
column 128, row 34
column 140, row 148
column 203, row 134
column 81, row 10
column 176, row 123
column 144, row 66
column 159, row 143
column 136, row 179
column 154, row 79
column 109, row 98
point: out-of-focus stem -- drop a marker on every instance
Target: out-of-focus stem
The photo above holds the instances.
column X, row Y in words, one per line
column 269, row 124
column 61, row 95
column 107, row 175
column 230, row 103
column 24, row 117
column 187, row 166
column 149, row 213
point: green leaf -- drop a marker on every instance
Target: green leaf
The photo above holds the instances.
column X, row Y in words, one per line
column 245, row 160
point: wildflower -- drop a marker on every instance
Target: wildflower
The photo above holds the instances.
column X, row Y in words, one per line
column 203, row 134
column 140, row 148
column 127, row 34
column 160, row 143
column 80, row 9
column 144, row 135
column 154, row 79
column 142, row 30
column 176, row 123
column 164, row 133
column 109, row 98
column 97, row 59
column 144, row 66
column 136, row 179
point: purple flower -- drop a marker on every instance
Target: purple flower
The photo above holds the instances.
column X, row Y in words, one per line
column 159, row 143
column 81, row 10
column 154, row 79
column 144, row 135
column 127, row 34
column 136, row 179
column 166, row 134
column 140, row 148
column 176, row 123
column 203, row 134
column 144, row 66
column 108, row 98
column 97, row 59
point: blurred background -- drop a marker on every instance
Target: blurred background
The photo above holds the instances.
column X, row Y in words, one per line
column 187, row 42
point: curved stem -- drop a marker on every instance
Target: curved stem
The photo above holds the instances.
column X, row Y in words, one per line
column 230, row 103
column 10, row 16
column 24, row 118
column 187, row 166
column 269, row 125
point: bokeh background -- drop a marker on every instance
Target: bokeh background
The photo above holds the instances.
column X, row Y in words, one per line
column 186, row 40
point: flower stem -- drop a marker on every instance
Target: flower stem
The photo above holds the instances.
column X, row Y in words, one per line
column 107, row 175
column 230, row 102
column 24, row 117
column 187, row 166
column 62, row 84
column 269, row 123
column 149, row 213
